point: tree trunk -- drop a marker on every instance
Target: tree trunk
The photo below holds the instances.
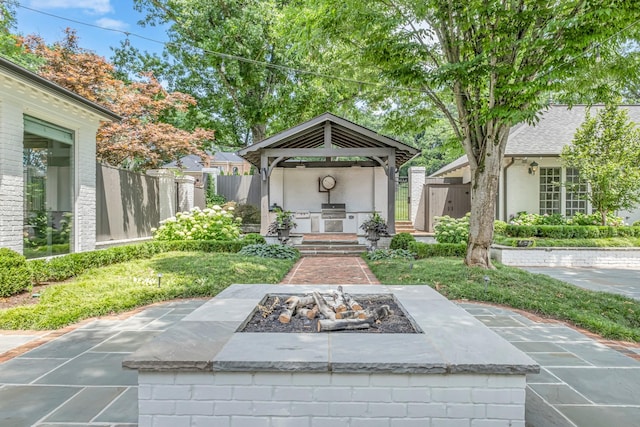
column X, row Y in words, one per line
column 258, row 132
column 485, row 174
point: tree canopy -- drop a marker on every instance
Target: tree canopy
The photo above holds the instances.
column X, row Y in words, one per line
column 234, row 57
column 606, row 152
column 486, row 64
column 147, row 137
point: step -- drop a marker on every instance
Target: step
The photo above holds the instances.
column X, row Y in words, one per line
column 328, row 242
column 339, row 248
column 331, row 253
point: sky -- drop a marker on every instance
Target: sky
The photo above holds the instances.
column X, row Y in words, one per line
column 116, row 16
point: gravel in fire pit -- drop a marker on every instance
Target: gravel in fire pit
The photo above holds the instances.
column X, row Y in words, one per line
column 396, row 323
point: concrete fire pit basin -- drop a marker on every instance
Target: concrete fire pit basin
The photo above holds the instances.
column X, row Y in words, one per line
column 203, row 372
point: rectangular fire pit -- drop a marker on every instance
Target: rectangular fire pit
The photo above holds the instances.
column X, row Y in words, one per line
column 204, row 372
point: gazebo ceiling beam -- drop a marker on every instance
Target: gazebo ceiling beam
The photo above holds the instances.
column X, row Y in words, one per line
column 328, row 152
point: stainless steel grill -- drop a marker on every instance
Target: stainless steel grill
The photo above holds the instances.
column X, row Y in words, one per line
column 333, row 211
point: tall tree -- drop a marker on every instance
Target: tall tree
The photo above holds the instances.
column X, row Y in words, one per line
column 11, row 44
column 235, row 58
column 146, row 137
column 606, row 152
column 494, row 59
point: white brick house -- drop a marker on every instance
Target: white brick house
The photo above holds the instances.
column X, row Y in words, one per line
column 47, row 161
column 532, row 172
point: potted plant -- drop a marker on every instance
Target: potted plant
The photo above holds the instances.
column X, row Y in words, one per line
column 375, row 226
column 282, row 225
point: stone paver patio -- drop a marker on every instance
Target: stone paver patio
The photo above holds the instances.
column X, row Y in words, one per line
column 76, row 378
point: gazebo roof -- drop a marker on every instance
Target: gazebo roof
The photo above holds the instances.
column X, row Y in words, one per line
column 329, row 130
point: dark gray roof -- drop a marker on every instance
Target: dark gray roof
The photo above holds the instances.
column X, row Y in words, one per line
column 25, row 74
column 222, row 156
column 546, row 138
column 190, row 163
column 555, row 129
column 344, row 134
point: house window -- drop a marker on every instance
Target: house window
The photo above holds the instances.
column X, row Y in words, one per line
column 576, row 193
column 48, row 188
column 549, row 191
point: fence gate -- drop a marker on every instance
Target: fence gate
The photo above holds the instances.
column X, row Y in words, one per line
column 402, row 199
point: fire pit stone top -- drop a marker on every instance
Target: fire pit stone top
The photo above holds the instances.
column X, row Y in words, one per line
column 452, row 341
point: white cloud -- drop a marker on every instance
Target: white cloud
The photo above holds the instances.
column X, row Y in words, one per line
column 113, row 24
column 98, row 7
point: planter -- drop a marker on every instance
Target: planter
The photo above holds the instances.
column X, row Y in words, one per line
column 283, row 234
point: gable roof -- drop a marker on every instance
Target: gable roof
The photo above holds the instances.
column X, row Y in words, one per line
column 189, row 163
column 221, row 156
column 9, row 68
column 344, row 134
column 554, row 130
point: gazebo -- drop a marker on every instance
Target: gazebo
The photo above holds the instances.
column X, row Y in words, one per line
column 330, row 172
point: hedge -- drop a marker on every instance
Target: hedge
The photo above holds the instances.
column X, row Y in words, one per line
column 571, row 231
column 14, row 273
column 428, row 250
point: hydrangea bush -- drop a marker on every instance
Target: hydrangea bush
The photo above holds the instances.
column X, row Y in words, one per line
column 452, row 230
column 213, row 223
column 524, row 218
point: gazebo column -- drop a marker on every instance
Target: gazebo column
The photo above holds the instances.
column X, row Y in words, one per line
column 391, row 192
column 264, row 194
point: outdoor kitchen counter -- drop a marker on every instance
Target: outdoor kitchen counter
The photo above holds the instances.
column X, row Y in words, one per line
column 452, row 341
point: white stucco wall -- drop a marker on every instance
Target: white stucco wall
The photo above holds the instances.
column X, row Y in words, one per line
column 18, row 98
column 361, row 189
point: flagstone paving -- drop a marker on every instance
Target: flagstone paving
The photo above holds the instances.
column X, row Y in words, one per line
column 74, row 377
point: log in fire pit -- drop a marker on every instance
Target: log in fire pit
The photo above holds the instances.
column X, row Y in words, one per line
column 334, row 311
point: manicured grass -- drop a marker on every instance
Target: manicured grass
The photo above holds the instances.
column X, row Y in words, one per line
column 609, row 315
column 121, row 287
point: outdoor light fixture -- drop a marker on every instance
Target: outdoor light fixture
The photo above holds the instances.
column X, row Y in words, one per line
column 533, row 168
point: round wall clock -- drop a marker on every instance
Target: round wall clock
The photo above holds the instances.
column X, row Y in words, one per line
column 328, row 182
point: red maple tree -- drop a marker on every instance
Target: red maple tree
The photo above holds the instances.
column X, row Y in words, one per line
column 141, row 140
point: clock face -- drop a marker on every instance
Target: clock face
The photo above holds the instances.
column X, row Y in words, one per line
column 328, row 182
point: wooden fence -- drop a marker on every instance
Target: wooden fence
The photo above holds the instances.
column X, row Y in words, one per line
column 127, row 204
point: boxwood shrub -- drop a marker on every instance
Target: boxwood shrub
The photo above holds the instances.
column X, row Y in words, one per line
column 67, row 266
column 428, row 250
column 401, row 241
column 571, row 231
column 14, row 273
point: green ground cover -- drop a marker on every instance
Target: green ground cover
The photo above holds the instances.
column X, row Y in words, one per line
column 609, row 315
column 124, row 286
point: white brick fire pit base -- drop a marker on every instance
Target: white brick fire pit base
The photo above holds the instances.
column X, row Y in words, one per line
column 265, row 399
column 453, row 372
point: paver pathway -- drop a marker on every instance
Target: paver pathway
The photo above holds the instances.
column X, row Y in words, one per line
column 330, row 271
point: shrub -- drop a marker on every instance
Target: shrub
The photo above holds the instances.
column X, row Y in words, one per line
column 401, row 241
column 380, row 254
column 14, row 273
column 71, row 265
column 595, row 219
column 524, row 218
column 571, row 231
column 452, row 230
column 248, row 213
column 499, row 227
column 213, row 223
column 271, row 251
column 253, row 239
column 427, row 250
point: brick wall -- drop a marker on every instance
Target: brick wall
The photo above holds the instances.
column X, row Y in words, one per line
column 11, row 181
column 565, row 257
column 17, row 98
column 282, row 399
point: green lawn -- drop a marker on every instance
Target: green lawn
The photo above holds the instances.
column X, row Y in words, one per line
column 121, row 287
column 609, row 315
